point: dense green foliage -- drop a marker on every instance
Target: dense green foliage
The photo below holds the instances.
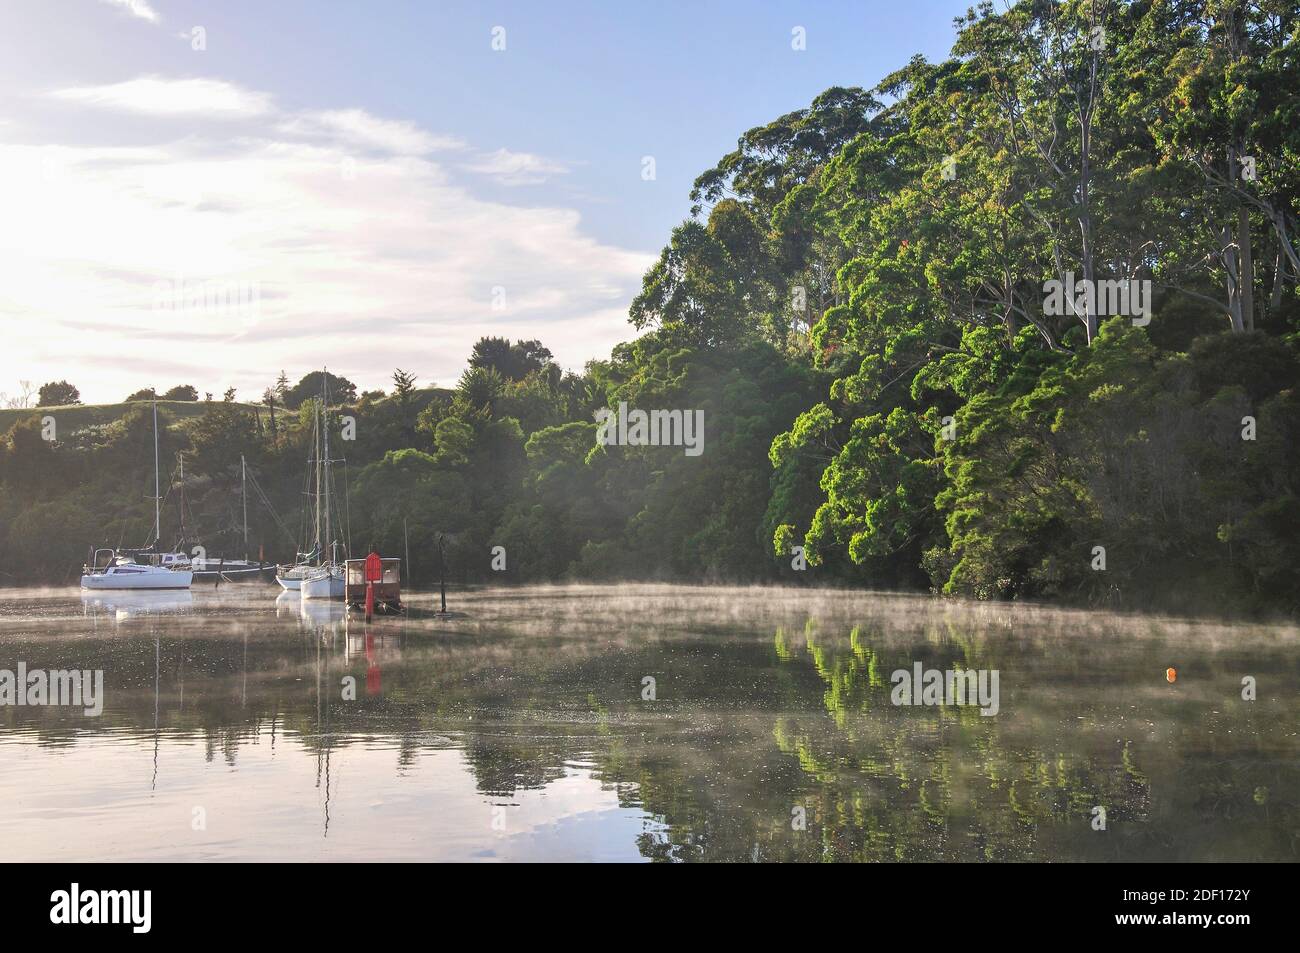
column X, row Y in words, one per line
column 859, row 306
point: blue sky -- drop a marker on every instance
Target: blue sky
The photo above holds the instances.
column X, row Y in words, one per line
column 371, row 184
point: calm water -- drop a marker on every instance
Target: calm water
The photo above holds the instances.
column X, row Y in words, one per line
column 520, row 731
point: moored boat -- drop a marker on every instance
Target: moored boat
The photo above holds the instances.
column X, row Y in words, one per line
column 231, row 570
column 323, row 582
column 121, row 572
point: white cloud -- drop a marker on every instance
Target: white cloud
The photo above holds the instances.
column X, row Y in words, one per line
column 516, row 168
column 160, row 96
column 362, row 262
column 137, row 8
column 359, row 128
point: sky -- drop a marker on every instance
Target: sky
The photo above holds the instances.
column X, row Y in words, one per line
column 209, row 193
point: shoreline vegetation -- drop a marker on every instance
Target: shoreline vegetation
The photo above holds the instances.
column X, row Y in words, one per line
column 858, row 306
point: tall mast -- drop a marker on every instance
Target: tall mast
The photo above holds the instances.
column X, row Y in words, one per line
column 180, row 458
column 157, row 486
column 316, row 448
column 243, row 492
column 325, row 419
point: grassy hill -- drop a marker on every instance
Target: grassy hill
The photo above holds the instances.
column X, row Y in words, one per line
column 422, row 397
column 73, row 417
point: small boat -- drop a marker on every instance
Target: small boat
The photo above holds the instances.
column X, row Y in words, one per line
column 323, row 582
column 231, row 570
column 122, row 572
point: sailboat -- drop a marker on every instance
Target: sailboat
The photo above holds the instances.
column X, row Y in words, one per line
column 125, row 570
column 314, row 575
column 323, row 582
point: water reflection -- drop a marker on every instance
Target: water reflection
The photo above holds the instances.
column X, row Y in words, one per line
column 293, row 730
column 121, row 606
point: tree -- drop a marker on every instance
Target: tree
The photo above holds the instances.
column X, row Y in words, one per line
column 57, row 394
column 26, row 390
column 181, row 392
column 512, row 361
column 480, row 388
column 341, row 390
column 269, row 399
column 26, row 456
column 403, row 385
column 701, row 290
column 145, row 393
column 454, row 438
column 403, row 396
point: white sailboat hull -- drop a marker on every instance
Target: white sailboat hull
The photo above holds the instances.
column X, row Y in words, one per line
column 137, row 578
column 288, row 584
column 323, row 584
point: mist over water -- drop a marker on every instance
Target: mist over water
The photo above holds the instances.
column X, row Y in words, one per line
column 524, row 730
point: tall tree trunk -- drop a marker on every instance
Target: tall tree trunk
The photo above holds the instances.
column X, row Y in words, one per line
column 1085, row 213
column 1245, row 252
column 1228, row 255
column 1247, row 276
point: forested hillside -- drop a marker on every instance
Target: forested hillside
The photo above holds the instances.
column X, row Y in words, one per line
column 862, row 305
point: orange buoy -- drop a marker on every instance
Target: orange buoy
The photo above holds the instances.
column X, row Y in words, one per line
column 1170, row 675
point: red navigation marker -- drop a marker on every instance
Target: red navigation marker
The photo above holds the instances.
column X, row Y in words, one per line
column 374, row 574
